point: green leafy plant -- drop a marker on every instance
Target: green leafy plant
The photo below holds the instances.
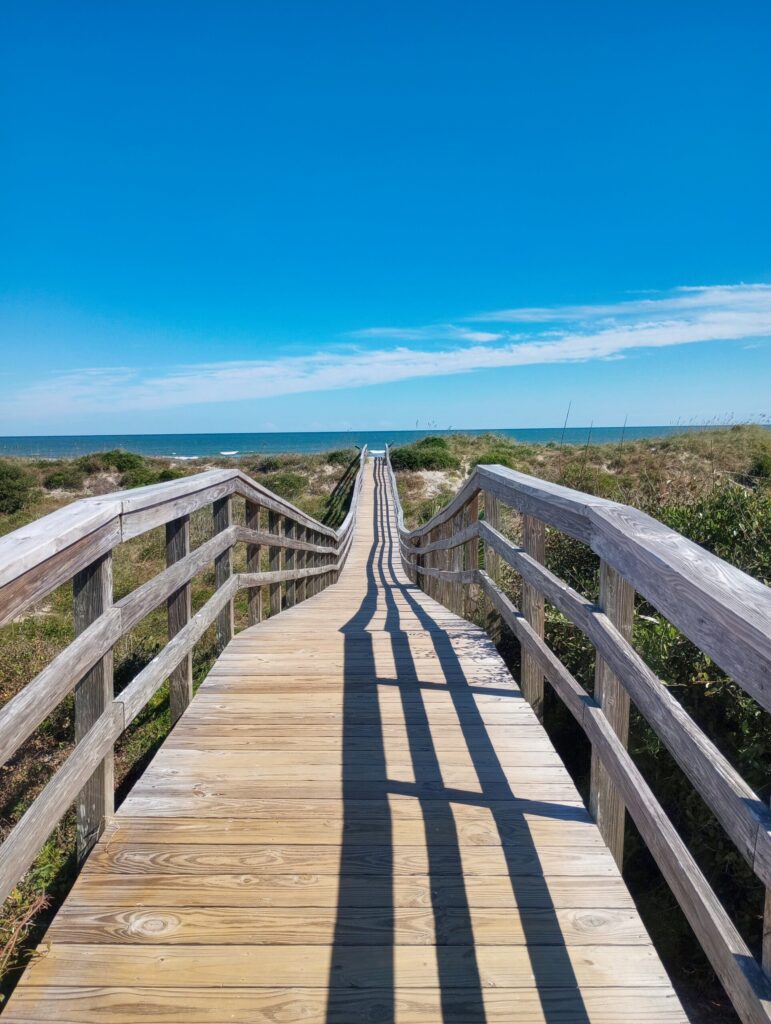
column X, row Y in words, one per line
column 67, row 477
column 17, row 487
column 430, row 452
column 341, row 456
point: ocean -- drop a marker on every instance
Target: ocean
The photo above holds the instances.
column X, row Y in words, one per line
column 191, row 446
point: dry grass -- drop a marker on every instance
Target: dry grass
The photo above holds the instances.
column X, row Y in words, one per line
column 644, row 473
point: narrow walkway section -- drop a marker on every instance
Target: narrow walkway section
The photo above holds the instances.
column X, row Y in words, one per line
column 358, row 820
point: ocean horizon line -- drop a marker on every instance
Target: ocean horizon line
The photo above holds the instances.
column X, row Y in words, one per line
column 238, row 444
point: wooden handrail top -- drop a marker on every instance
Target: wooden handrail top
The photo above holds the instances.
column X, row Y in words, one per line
column 721, row 609
column 31, row 545
column 39, row 557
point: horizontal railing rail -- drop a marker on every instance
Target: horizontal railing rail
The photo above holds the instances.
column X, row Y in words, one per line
column 725, row 612
column 76, row 544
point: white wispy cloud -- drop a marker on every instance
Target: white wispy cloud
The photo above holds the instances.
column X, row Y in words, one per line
column 740, row 313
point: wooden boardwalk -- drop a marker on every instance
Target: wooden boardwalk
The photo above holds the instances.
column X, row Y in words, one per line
column 357, row 819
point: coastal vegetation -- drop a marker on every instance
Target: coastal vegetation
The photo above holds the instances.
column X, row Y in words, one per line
column 713, row 486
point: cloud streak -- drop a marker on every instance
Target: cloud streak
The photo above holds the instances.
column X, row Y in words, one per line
column 544, row 336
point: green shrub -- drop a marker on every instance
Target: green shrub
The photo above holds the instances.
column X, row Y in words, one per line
column 122, row 460
column 67, row 477
column 286, row 484
column 761, row 466
column 138, row 476
column 341, row 456
column 169, row 474
column 503, row 456
column 429, row 453
column 16, row 487
column 90, row 464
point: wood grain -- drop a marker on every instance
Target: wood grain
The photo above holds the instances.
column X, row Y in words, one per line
column 617, row 601
column 179, row 611
column 357, row 818
column 91, row 598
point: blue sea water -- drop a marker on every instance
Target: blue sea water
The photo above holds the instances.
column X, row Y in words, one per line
column 189, row 446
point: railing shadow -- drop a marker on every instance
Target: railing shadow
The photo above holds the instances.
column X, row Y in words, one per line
column 458, row 975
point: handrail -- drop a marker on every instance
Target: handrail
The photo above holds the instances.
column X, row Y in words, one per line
column 724, row 611
column 76, row 543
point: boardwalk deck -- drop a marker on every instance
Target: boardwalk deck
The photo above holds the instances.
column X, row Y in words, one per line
column 357, row 819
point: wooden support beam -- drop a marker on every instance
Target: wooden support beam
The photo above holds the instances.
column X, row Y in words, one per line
column 253, row 556
column 766, row 952
column 493, row 564
column 606, row 805
column 92, row 596
column 534, row 543
column 301, row 563
column 290, row 563
column 471, row 553
column 275, row 526
column 222, row 516
column 178, row 611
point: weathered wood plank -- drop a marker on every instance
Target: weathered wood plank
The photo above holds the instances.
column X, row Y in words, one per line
column 92, row 597
column 276, row 527
column 125, row 1005
column 366, row 926
column 502, row 967
column 179, row 611
column 534, row 543
column 617, row 601
column 253, row 558
column 222, row 519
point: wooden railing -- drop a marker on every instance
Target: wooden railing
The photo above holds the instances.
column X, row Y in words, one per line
column 726, row 613
column 76, row 543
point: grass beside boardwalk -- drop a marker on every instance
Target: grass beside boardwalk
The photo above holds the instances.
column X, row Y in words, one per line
column 29, row 489
column 713, row 486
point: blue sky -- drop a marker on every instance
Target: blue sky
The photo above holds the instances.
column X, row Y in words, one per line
column 292, row 215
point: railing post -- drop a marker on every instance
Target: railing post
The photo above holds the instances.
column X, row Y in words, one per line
column 92, row 595
column 178, row 612
column 302, row 563
column 275, row 526
column 318, row 562
column 766, row 951
column 493, row 564
column 289, row 563
column 605, row 803
column 471, row 552
column 253, row 560
column 456, row 564
column 417, row 579
column 442, row 559
column 430, row 562
column 334, row 574
column 534, row 542
column 222, row 518
column 324, row 560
